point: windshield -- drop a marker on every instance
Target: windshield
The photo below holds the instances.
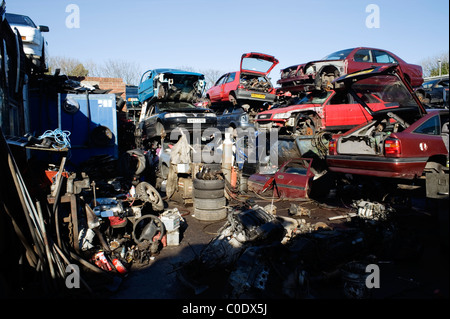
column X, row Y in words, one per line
column 257, row 65
column 339, row 55
column 18, row 19
column 387, row 88
column 173, row 106
column 318, row 97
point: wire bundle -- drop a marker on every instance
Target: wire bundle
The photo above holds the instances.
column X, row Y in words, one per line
column 60, row 137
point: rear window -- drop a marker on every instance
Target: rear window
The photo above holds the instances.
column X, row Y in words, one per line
column 19, row 20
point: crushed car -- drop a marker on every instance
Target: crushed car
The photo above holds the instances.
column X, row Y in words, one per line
column 320, row 74
column 405, row 142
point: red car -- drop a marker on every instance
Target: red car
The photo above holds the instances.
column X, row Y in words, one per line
column 250, row 84
column 320, row 74
column 404, row 142
column 333, row 111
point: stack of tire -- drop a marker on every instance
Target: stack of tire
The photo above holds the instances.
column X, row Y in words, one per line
column 209, row 199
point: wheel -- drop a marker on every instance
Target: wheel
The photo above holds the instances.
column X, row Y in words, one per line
column 208, row 184
column 208, row 203
column 210, row 214
column 148, row 193
column 208, row 194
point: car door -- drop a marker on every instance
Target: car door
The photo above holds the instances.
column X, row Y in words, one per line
column 215, row 92
column 362, row 59
column 228, row 86
column 342, row 111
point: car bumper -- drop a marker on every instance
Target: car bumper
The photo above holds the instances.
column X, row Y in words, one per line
column 255, row 96
column 407, row 168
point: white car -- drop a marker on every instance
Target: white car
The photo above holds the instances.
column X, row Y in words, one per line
column 34, row 43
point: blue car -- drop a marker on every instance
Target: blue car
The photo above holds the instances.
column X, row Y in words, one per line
column 171, row 85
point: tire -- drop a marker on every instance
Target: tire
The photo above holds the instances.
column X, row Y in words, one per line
column 210, row 214
column 209, row 184
column 148, row 193
column 208, row 203
column 208, row 194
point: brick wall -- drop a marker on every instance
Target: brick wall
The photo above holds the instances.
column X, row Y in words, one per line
column 116, row 85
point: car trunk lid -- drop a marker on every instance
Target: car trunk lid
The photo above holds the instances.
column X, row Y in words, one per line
column 258, row 63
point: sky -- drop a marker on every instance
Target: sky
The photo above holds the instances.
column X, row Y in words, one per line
column 213, row 34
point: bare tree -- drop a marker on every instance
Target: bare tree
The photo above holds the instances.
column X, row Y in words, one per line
column 431, row 65
column 211, row 75
column 130, row 72
column 67, row 66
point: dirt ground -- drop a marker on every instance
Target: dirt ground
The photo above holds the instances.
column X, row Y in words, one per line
column 424, row 277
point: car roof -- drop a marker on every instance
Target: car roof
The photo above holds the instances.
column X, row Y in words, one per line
column 175, row 71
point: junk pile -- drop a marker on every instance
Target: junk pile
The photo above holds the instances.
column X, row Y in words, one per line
column 69, row 221
column 258, row 254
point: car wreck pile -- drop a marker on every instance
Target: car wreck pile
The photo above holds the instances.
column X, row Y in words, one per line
column 323, row 131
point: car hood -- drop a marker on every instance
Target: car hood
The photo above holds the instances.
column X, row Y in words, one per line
column 371, row 76
column 259, row 63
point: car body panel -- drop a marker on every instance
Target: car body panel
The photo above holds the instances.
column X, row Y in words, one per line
column 304, row 77
column 292, row 180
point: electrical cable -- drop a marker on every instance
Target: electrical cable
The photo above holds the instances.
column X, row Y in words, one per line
column 60, row 137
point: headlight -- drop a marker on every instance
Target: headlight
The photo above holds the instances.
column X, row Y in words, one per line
column 282, row 115
column 171, row 115
column 209, row 114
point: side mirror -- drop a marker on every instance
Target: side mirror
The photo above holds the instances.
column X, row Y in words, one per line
column 44, row 28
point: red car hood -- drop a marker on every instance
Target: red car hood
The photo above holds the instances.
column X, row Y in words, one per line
column 259, row 63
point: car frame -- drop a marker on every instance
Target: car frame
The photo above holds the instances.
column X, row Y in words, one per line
column 320, row 74
column 248, row 85
column 403, row 143
column 34, row 44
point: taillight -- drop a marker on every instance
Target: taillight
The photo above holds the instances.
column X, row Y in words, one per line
column 392, row 146
column 332, row 147
column 240, row 86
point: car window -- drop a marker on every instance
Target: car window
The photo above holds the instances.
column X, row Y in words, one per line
column 382, row 57
column 231, row 77
column 315, row 97
column 430, row 127
column 221, row 80
column 338, row 55
column 362, row 55
column 20, row 20
column 428, row 85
